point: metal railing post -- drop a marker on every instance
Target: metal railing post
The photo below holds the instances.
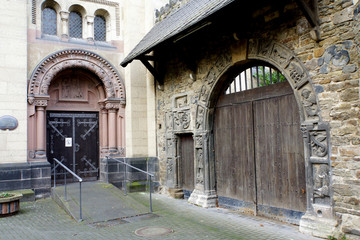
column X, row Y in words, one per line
column 150, row 190
column 76, row 176
column 125, row 180
column 65, row 189
column 80, row 203
column 54, row 175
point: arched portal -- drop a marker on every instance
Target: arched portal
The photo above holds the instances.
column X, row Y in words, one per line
column 85, row 92
column 314, row 132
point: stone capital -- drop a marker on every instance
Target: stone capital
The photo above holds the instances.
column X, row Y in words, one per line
column 90, row 19
column 64, row 15
column 39, row 101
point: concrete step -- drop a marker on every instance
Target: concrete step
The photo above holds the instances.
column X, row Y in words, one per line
column 100, row 202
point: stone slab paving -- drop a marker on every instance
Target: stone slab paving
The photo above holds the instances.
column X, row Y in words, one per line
column 43, row 219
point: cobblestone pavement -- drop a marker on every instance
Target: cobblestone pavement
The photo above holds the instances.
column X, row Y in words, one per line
column 43, row 219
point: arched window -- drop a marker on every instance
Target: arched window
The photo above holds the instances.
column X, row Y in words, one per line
column 75, row 25
column 49, row 25
column 254, row 77
column 99, row 28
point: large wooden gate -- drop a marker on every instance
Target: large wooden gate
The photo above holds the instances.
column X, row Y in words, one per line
column 259, row 152
column 73, row 138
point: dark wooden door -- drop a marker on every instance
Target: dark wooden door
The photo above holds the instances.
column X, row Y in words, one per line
column 73, row 139
column 234, row 154
column 187, row 162
column 259, row 151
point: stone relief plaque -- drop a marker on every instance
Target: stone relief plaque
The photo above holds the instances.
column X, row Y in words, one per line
column 8, row 123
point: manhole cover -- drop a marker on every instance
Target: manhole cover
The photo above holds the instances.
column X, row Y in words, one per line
column 153, row 231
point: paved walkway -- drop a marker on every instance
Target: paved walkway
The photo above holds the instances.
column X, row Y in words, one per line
column 43, row 219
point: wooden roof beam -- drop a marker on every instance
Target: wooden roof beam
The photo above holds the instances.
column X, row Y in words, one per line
column 311, row 12
column 144, row 59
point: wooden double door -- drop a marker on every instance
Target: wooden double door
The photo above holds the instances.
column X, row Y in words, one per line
column 73, row 139
column 259, row 152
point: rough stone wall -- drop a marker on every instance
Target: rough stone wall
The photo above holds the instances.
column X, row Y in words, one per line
column 332, row 64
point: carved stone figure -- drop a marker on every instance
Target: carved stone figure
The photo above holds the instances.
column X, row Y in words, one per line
column 321, row 180
column 199, row 117
column 309, row 102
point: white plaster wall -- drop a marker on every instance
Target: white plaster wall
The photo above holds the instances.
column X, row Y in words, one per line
column 13, row 81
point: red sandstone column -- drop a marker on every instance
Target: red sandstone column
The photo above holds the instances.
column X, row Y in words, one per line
column 104, row 129
column 112, row 130
column 40, row 133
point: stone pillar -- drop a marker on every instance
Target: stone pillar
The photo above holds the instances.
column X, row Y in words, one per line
column 90, row 28
column 64, row 15
column 112, row 130
column 40, row 152
column 104, row 130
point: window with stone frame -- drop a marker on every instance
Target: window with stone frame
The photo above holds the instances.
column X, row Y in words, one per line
column 75, row 25
column 99, row 28
column 49, row 21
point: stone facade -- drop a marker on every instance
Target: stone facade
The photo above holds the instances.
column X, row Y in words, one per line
column 31, row 60
column 325, row 79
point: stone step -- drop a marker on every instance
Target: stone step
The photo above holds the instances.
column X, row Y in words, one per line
column 28, row 194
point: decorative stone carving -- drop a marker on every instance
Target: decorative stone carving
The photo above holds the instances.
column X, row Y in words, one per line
column 181, row 102
column 198, row 141
column 294, row 70
column 41, row 103
column 199, row 166
column 280, row 55
column 265, row 47
column 297, row 74
column 200, row 112
column 318, row 143
column 73, row 58
column 221, row 63
column 321, row 180
column 203, row 94
column 181, row 120
column 309, row 102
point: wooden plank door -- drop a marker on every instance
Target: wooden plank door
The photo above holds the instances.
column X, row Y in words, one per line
column 187, row 162
column 234, row 151
column 280, row 167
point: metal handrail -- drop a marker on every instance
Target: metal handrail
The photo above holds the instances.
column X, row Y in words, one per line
column 140, row 170
column 72, row 173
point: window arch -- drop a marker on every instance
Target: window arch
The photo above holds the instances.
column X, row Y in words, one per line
column 75, row 24
column 99, row 28
column 258, row 75
column 49, row 21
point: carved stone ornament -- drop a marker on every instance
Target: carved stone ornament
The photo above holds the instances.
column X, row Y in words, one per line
column 181, row 120
column 200, row 112
column 292, row 68
column 41, row 103
column 45, row 72
column 200, row 166
column 318, row 143
column 198, row 141
column 222, row 62
column 321, row 180
column 309, row 102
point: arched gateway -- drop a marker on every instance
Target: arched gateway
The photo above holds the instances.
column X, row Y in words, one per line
column 76, row 103
column 290, row 107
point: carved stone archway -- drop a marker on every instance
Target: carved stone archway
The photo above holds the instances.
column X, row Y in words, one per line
column 315, row 132
column 112, row 104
